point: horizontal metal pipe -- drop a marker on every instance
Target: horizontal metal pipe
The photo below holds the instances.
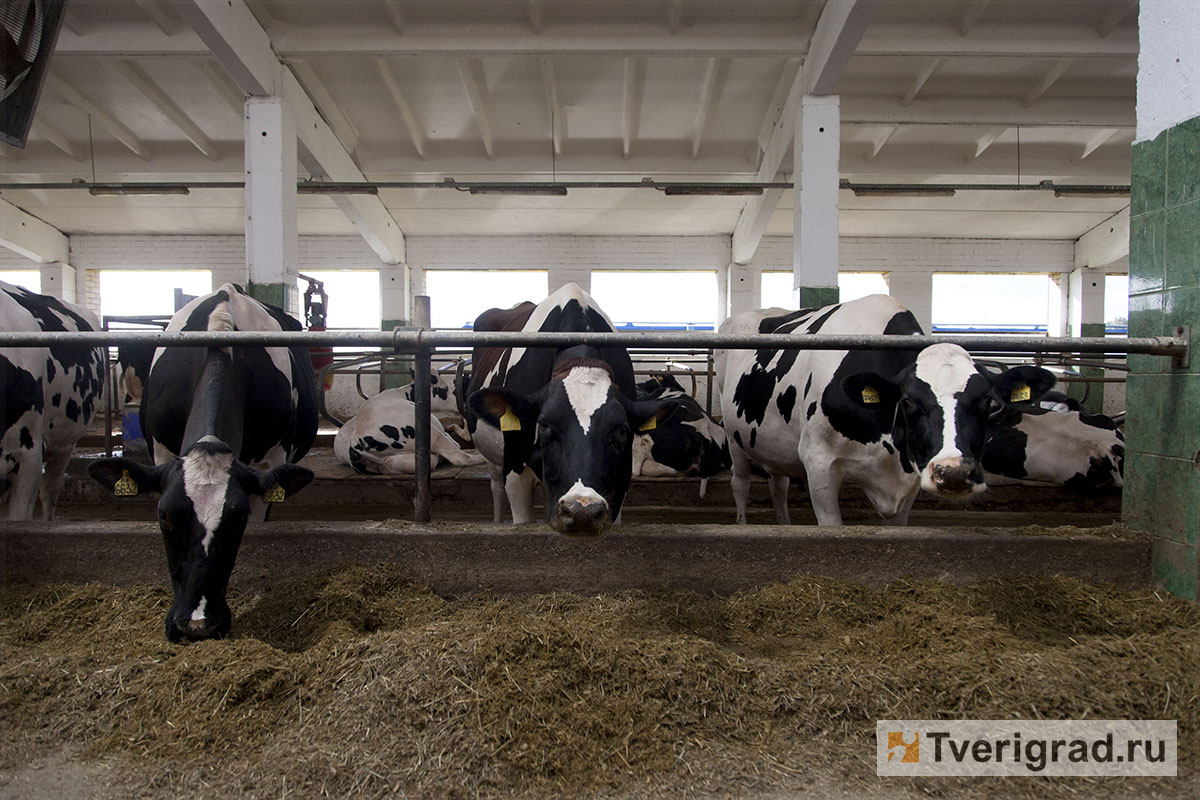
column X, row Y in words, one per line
column 412, row 340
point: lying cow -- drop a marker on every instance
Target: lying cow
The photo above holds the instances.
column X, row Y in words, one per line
column 1072, row 448
column 381, row 438
column 689, row 442
column 51, row 394
column 891, row 421
column 225, row 426
column 564, row 417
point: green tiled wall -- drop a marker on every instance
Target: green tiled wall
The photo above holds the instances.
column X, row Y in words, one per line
column 1162, row 427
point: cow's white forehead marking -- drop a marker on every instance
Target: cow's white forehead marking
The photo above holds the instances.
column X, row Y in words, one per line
column 584, row 495
column 205, row 479
column 587, row 389
column 945, row 368
column 198, row 614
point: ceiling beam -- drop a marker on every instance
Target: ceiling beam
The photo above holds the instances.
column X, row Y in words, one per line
column 927, row 70
column 473, row 78
column 1051, row 77
column 835, row 39
column 1116, row 17
column 1106, row 243
column 987, row 140
column 758, row 209
column 1098, row 139
column 533, row 10
column 1014, row 39
column 56, row 138
column 102, row 118
column 220, row 81
column 674, row 15
column 169, row 109
column 882, row 137
column 708, row 94
column 329, row 107
column 27, row 235
column 787, row 76
column 972, row 15
column 631, row 102
column 1055, row 112
column 558, row 115
column 241, row 46
column 395, row 12
column 166, row 21
column 415, row 132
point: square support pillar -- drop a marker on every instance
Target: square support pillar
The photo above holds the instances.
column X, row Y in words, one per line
column 271, row 238
column 914, row 289
column 58, row 280
column 1085, row 317
column 816, row 177
column 743, row 289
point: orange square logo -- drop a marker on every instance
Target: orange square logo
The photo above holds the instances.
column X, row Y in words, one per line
column 904, row 748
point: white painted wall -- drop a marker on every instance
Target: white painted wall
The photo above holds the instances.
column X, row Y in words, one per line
column 1168, row 84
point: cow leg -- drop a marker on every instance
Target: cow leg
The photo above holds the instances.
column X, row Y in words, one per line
column 519, row 488
column 778, row 484
column 740, row 482
column 900, row 518
column 653, row 469
column 823, row 490
column 55, row 467
column 496, row 483
column 22, row 491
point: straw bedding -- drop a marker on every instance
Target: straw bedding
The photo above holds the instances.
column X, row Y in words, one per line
column 360, row 683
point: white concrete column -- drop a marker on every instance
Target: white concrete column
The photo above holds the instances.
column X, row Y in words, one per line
column 1085, row 303
column 815, row 227
column 59, row 280
column 394, row 295
column 743, row 289
column 1056, row 324
column 914, row 289
column 271, row 239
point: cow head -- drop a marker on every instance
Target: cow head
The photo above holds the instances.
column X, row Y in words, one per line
column 576, row 433
column 941, row 408
column 202, row 513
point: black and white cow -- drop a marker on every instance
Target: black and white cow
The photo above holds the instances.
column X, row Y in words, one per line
column 225, row 427
column 893, row 422
column 689, row 442
column 41, row 432
column 443, row 392
column 1071, row 448
column 565, row 417
column 380, row 439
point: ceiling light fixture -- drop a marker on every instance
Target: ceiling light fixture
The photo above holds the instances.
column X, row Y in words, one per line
column 126, row 189
column 336, row 188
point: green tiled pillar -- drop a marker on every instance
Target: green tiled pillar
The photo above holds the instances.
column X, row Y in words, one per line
column 818, row 296
column 275, row 294
column 397, row 374
column 1162, row 477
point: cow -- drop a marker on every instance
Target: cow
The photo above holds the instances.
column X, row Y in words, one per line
column 689, row 442
column 564, row 417
column 1080, row 451
column 41, row 432
column 224, row 427
column 891, row 421
column 381, row 437
column 444, row 398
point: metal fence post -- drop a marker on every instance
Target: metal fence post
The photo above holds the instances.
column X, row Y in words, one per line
column 422, row 363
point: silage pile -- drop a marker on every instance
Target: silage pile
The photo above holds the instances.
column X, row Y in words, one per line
column 360, row 683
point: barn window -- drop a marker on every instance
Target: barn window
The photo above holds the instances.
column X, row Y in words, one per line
column 777, row 287
column 1116, row 305
column 30, row 279
column 353, row 297
column 674, row 300
column 457, row 297
column 149, row 293
column 992, row 303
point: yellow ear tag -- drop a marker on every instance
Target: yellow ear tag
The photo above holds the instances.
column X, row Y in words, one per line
column 649, row 424
column 275, row 494
column 870, row 395
column 510, row 421
column 1020, row 393
column 125, row 486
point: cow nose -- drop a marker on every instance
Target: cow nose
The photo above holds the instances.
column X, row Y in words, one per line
column 582, row 516
column 957, row 476
column 195, row 630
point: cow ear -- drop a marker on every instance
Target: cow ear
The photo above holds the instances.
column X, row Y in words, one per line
column 1023, row 384
column 275, row 485
column 872, row 391
column 125, row 477
column 646, row 415
column 504, row 409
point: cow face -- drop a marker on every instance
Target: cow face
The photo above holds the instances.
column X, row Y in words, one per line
column 202, row 513
column 576, row 433
column 942, row 408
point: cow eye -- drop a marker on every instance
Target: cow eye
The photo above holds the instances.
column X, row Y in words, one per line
column 908, row 405
column 618, row 437
column 992, row 405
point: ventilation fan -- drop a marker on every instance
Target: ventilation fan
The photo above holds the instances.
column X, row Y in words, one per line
column 28, row 31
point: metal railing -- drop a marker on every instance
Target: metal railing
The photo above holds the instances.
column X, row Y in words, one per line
column 422, row 342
